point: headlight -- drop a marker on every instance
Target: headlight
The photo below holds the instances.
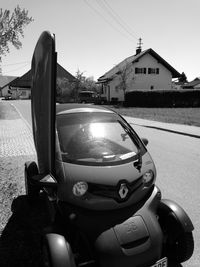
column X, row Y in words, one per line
column 148, row 177
column 80, row 188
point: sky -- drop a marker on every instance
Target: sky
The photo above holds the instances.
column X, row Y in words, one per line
column 94, row 35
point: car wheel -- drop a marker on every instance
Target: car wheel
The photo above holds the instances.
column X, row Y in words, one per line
column 31, row 170
column 179, row 244
column 182, row 249
column 57, row 252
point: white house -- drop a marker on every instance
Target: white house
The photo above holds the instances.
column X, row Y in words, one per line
column 145, row 70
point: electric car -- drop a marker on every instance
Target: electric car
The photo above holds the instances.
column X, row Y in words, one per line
column 99, row 179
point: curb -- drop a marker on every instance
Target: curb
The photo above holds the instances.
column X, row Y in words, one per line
column 17, row 110
column 167, row 130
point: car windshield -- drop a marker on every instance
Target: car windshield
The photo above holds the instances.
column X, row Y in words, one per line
column 96, row 138
column 86, row 94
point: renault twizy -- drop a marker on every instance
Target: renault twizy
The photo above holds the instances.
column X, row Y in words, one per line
column 99, row 180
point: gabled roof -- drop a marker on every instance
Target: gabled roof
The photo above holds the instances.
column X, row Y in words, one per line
column 193, row 83
column 22, row 82
column 134, row 58
column 63, row 73
column 5, row 80
column 25, row 80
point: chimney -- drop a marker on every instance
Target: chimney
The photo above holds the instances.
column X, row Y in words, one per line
column 139, row 48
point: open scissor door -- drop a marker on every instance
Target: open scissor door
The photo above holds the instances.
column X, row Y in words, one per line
column 43, row 101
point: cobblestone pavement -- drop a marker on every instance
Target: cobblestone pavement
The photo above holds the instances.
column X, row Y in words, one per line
column 16, row 147
column 15, row 139
column 21, row 228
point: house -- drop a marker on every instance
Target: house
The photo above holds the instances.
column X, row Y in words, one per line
column 145, row 70
column 21, row 86
column 4, row 84
column 195, row 84
column 178, row 85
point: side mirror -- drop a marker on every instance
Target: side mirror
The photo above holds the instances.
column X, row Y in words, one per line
column 145, row 141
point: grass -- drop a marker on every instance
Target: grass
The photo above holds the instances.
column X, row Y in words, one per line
column 188, row 116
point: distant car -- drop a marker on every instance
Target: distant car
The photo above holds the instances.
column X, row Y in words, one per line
column 87, row 97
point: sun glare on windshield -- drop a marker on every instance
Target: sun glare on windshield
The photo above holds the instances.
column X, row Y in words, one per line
column 97, row 130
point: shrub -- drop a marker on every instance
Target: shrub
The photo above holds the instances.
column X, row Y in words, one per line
column 163, row 98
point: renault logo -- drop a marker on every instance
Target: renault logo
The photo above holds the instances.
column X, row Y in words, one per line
column 123, row 191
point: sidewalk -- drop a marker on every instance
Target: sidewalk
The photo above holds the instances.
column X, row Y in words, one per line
column 15, row 139
column 192, row 131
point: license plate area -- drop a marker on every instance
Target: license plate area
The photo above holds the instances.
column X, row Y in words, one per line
column 161, row 263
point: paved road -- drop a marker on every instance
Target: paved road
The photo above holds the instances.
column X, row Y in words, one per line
column 177, row 159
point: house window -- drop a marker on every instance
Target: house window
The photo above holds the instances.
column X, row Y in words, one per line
column 140, row 70
column 153, row 70
column 23, row 93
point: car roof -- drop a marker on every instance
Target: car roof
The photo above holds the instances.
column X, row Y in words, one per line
column 91, row 92
column 75, row 108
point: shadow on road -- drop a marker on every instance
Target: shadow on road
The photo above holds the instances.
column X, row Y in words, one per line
column 21, row 238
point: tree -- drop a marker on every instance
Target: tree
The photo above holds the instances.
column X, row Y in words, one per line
column 64, row 89
column 183, row 78
column 78, row 84
column 123, row 76
column 12, row 28
column 89, row 83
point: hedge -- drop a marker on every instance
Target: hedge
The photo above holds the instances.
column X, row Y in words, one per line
column 163, row 98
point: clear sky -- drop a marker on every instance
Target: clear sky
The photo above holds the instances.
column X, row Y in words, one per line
column 95, row 35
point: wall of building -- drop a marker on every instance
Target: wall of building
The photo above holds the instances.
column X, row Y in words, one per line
column 162, row 80
column 4, row 91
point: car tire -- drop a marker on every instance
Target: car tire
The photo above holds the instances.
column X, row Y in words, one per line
column 183, row 248
column 179, row 244
column 30, row 171
column 57, row 251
